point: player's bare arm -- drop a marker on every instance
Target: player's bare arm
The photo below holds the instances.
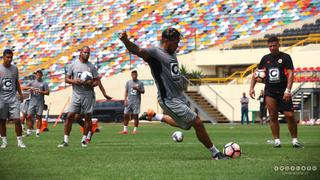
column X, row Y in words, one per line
column 287, row 93
column 71, row 80
column 91, row 83
column 133, row 48
column 103, row 90
column 20, row 92
column 126, row 97
column 252, row 85
column 45, row 92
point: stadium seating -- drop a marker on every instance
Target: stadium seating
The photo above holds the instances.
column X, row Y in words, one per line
column 288, row 37
column 307, row 74
column 47, row 30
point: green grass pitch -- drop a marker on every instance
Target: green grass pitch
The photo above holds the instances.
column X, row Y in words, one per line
column 152, row 154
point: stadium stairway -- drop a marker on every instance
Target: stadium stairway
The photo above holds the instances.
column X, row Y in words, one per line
column 212, row 111
column 305, row 98
column 93, row 40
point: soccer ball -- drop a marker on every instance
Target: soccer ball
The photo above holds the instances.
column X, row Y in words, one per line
column 85, row 76
column 259, row 75
column 232, row 150
column 177, row 136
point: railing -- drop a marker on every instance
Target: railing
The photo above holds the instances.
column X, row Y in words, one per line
column 218, row 99
column 239, row 76
column 220, row 103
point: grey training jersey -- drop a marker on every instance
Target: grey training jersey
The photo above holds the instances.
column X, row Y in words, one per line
column 75, row 71
column 9, row 80
column 165, row 71
column 37, row 98
column 134, row 97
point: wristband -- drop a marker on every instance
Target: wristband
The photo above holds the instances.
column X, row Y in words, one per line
column 287, row 91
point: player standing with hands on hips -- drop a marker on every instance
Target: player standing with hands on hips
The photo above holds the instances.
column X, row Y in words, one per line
column 165, row 71
column 278, row 84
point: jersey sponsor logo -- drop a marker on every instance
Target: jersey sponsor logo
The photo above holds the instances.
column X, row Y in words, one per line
column 274, row 75
column 174, row 70
column 133, row 92
column 7, row 84
column 79, row 75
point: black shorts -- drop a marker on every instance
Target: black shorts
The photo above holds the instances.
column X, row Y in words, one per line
column 283, row 106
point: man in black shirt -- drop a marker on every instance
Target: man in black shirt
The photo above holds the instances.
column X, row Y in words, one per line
column 278, row 84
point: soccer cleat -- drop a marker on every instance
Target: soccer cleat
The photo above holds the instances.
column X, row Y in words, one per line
column 123, row 132
column 4, row 145
column 147, row 115
column 63, row 144
column 277, row 145
column 134, row 132
column 298, row 145
column 84, row 144
column 21, row 145
column 220, row 156
column 87, row 140
column 37, row 135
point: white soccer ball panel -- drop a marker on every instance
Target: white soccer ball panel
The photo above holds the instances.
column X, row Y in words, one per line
column 177, row 136
column 85, row 76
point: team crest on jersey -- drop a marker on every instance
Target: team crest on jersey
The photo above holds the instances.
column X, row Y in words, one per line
column 280, row 61
column 174, row 67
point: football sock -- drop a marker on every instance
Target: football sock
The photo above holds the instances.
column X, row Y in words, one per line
column 157, row 117
column 213, row 150
column 125, row 128
column 28, row 131
column 294, row 140
column 135, row 128
column 89, row 135
column 277, row 141
column 83, row 138
column 38, row 131
column 19, row 139
column 66, row 138
column 4, row 140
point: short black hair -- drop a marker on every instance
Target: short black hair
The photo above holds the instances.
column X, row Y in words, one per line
column 273, row 39
column 134, row 71
column 7, row 51
column 39, row 71
column 171, row 34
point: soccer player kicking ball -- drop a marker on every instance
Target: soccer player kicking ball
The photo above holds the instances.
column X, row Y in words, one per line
column 83, row 97
column 38, row 88
column 165, row 70
column 278, row 84
column 9, row 104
